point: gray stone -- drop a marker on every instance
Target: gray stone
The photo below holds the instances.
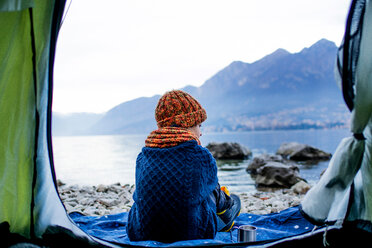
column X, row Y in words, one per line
column 72, row 204
column 301, row 187
column 301, row 152
column 74, row 188
column 86, row 189
column 101, row 188
column 109, row 202
column 287, row 149
column 90, row 211
column 228, row 150
column 60, row 183
column 87, row 201
column 275, row 174
column 261, row 160
column 125, row 197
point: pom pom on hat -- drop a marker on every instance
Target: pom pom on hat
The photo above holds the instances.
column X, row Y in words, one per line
column 179, row 109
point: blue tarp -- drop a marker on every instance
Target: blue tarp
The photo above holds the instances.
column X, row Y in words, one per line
column 286, row 223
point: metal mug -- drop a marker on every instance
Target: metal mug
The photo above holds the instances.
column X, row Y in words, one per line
column 247, row 233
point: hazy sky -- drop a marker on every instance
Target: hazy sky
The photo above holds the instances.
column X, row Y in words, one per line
column 113, row 51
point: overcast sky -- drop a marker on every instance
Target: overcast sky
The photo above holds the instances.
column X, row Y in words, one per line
column 113, row 51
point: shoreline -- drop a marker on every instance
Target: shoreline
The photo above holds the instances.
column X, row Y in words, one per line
column 116, row 198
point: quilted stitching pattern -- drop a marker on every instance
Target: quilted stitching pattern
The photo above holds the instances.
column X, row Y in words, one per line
column 172, row 198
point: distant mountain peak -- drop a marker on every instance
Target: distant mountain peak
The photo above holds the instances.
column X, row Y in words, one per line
column 236, row 64
column 322, row 44
column 277, row 54
column 280, row 52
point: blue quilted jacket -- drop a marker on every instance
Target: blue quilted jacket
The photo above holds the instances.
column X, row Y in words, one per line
column 173, row 199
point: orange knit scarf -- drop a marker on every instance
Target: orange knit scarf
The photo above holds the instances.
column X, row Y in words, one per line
column 169, row 136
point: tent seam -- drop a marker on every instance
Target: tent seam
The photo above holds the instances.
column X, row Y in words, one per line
column 37, row 122
column 52, row 48
column 347, row 93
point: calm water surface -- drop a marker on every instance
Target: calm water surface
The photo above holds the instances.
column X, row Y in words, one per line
column 107, row 159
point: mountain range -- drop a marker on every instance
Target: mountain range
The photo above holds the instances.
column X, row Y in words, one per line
column 280, row 91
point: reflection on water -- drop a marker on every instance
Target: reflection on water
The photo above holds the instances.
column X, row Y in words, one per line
column 92, row 160
column 107, row 159
column 231, row 165
column 232, row 173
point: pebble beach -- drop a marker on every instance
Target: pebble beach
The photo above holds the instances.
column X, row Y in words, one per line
column 116, row 198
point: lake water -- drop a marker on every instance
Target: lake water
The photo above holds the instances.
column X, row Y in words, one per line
column 107, row 159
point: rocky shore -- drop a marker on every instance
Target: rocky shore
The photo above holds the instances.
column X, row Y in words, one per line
column 116, row 198
column 278, row 184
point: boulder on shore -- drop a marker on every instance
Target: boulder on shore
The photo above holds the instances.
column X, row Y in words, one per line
column 261, row 160
column 228, row 150
column 301, row 152
column 275, row 174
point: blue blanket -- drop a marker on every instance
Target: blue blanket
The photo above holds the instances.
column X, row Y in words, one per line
column 273, row 226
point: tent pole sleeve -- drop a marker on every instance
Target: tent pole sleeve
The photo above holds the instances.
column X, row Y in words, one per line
column 33, row 48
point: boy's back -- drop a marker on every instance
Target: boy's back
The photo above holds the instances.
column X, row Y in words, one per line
column 172, row 198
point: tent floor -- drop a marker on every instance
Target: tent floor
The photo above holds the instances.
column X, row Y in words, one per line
column 348, row 236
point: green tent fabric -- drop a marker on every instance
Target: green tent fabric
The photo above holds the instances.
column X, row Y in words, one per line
column 344, row 193
column 29, row 199
column 17, row 104
column 29, row 202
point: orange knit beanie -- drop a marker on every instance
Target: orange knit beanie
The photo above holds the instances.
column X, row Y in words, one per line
column 179, row 109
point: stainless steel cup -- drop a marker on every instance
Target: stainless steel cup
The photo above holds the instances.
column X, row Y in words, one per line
column 247, row 233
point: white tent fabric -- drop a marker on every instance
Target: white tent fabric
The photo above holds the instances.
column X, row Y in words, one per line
column 344, row 192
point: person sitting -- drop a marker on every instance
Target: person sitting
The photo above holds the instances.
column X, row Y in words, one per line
column 177, row 194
